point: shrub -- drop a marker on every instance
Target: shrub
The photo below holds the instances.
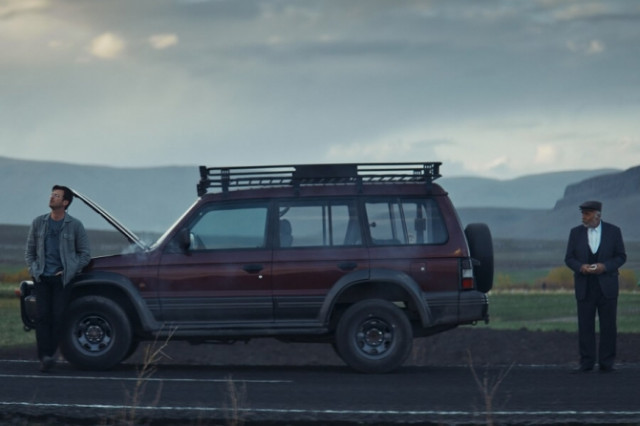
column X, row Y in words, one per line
column 558, row 278
column 15, row 277
column 562, row 278
column 628, row 280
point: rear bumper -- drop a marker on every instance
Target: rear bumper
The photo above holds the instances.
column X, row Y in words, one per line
column 456, row 308
column 474, row 306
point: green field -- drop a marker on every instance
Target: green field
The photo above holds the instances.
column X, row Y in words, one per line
column 11, row 331
column 536, row 311
column 548, row 311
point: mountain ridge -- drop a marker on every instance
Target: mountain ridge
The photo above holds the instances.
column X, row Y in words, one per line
column 542, row 190
column 150, row 199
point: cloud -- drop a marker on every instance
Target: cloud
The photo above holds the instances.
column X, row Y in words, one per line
column 545, row 154
column 592, row 47
column 107, row 46
column 163, row 41
column 497, row 164
column 252, row 82
column 377, row 151
column 10, row 8
column 595, row 46
column 404, row 146
column 579, row 11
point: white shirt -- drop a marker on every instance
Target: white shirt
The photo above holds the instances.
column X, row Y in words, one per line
column 594, row 237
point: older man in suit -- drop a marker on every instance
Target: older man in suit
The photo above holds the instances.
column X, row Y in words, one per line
column 594, row 253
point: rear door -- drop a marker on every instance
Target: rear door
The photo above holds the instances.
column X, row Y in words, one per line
column 319, row 242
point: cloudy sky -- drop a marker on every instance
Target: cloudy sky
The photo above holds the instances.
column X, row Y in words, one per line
column 492, row 88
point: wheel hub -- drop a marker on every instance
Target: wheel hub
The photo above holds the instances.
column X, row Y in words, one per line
column 94, row 334
column 375, row 337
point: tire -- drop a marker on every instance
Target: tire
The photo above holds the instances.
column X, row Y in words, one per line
column 481, row 248
column 135, row 343
column 96, row 333
column 374, row 336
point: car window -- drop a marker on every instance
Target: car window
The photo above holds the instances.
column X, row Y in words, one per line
column 319, row 223
column 405, row 222
column 230, row 227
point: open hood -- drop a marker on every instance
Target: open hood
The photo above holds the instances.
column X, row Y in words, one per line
column 130, row 236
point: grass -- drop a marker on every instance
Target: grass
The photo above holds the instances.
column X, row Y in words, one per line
column 488, row 385
column 549, row 311
column 7, row 291
column 11, row 331
column 525, row 276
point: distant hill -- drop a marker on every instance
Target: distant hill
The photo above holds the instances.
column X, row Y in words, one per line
column 540, row 191
column 619, row 192
column 14, row 238
column 542, row 206
column 145, row 199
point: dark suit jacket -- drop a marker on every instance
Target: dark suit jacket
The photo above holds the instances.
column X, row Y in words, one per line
column 611, row 253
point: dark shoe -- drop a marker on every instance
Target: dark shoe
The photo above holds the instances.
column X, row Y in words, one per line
column 47, row 363
column 604, row 369
column 582, row 369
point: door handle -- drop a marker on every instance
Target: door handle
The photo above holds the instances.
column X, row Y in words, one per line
column 253, row 268
column 347, row 266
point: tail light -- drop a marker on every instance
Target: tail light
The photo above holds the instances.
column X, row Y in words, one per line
column 468, row 283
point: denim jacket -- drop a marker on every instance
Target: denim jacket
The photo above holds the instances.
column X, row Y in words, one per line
column 74, row 247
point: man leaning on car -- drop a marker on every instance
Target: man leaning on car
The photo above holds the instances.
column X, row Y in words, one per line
column 57, row 250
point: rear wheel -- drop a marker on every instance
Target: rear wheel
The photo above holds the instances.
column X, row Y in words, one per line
column 96, row 333
column 481, row 247
column 374, row 336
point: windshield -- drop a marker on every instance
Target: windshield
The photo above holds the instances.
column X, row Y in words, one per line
column 164, row 236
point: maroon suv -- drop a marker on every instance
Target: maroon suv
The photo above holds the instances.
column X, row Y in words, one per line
column 363, row 256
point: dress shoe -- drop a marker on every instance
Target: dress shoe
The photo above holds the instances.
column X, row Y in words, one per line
column 604, row 369
column 47, row 363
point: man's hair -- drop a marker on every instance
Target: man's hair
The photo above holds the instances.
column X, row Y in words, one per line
column 68, row 194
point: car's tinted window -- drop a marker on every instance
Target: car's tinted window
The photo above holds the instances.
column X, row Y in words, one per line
column 405, row 222
column 319, row 223
column 229, row 227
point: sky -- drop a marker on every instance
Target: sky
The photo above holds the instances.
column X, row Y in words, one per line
column 490, row 88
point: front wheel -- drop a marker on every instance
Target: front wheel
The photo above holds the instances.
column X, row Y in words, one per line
column 96, row 334
column 374, row 336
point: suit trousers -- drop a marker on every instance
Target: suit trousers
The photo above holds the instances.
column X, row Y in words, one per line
column 50, row 307
column 593, row 303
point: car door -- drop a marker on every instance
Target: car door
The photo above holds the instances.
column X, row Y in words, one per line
column 319, row 242
column 225, row 275
column 409, row 235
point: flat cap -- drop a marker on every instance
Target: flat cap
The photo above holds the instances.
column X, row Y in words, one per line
column 591, row 205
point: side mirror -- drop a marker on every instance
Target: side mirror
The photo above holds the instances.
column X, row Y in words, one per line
column 184, row 240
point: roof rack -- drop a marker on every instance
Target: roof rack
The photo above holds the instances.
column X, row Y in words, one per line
column 225, row 178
